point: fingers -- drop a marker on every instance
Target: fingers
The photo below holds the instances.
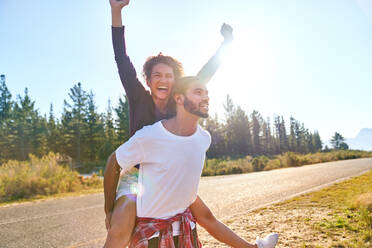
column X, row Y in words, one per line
column 119, row 3
column 226, row 28
column 226, row 32
column 107, row 222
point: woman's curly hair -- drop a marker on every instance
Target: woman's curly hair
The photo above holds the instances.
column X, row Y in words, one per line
column 162, row 59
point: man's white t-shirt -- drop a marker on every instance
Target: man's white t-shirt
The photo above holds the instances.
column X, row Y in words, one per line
column 170, row 168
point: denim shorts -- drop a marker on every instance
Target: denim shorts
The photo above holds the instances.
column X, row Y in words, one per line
column 128, row 185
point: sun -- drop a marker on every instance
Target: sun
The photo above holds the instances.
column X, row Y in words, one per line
column 247, row 72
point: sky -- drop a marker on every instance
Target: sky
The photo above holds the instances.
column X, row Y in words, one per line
column 310, row 59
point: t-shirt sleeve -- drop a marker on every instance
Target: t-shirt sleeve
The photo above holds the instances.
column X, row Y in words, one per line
column 130, row 153
column 209, row 140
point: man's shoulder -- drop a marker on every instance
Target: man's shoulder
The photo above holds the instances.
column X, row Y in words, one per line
column 148, row 131
column 205, row 133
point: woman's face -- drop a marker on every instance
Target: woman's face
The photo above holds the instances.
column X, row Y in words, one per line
column 161, row 81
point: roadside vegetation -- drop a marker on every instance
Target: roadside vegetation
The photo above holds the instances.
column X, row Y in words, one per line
column 349, row 213
column 248, row 164
column 41, row 176
column 339, row 216
column 51, row 174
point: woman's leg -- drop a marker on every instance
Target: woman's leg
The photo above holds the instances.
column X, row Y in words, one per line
column 124, row 213
column 122, row 222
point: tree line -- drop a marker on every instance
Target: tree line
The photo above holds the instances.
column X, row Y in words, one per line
column 86, row 135
column 81, row 132
column 245, row 134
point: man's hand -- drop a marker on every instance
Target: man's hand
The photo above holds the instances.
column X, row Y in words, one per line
column 108, row 220
column 118, row 5
column 226, row 31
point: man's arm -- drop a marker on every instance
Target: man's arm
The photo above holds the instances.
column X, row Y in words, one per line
column 210, row 68
column 125, row 157
column 214, row 227
column 128, row 76
column 110, row 182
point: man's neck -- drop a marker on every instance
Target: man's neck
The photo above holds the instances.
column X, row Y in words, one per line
column 160, row 104
column 182, row 125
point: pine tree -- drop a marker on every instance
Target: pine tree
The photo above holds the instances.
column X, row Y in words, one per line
column 74, row 123
column 292, row 136
column 94, row 135
column 278, row 130
column 229, row 132
column 267, row 139
column 217, row 148
column 53, row 137
column 256, row 132
column 39, row 136
column 110, row 142
column 317, row 142
column 241, row 133
column 5, row 100
column 122, row 120
column 23, row 125
column 338, row 142
column 283, row 136
column 6, row 112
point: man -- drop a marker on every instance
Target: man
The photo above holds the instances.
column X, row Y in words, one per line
column 145, row 108
column 171, row 153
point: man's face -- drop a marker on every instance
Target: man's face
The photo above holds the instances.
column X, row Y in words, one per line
column 161, row 81
column 196, row 100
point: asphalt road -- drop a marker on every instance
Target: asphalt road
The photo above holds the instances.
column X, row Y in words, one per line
column 79, row 221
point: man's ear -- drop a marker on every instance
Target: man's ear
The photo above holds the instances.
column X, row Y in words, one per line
column 179, row 99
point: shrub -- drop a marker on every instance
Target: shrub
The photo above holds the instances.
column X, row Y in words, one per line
column 291, row 159
column 259, row 163
column 91, row 167
column 215, row 167
column 40, row 176
column 364, row 201
column 273, row 164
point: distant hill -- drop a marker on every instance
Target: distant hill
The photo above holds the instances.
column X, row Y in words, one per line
column 363, row 141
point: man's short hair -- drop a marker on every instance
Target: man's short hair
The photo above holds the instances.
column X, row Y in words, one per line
column 182, row 84
column 180, row 87
column 162, row 59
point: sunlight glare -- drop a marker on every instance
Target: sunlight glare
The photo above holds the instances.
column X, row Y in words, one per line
column 247, row 70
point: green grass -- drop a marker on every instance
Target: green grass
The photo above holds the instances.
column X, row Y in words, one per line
column 350, row 216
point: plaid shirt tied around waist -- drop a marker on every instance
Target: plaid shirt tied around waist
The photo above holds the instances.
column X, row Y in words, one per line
column 146, row 227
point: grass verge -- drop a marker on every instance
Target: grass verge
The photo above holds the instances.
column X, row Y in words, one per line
column 339, row 216
column 248, row 164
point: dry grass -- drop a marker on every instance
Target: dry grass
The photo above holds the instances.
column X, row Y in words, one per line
column 336, row 216
column 289, row 159
column 364, row 201
column 40, row 176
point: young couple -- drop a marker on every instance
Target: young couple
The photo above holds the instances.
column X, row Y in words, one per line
column 169, row 147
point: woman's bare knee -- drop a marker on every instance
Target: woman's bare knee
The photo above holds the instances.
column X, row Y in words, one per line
column 122, row 222
column 123, row 217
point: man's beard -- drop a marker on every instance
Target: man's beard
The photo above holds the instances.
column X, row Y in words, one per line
column 193, row 109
